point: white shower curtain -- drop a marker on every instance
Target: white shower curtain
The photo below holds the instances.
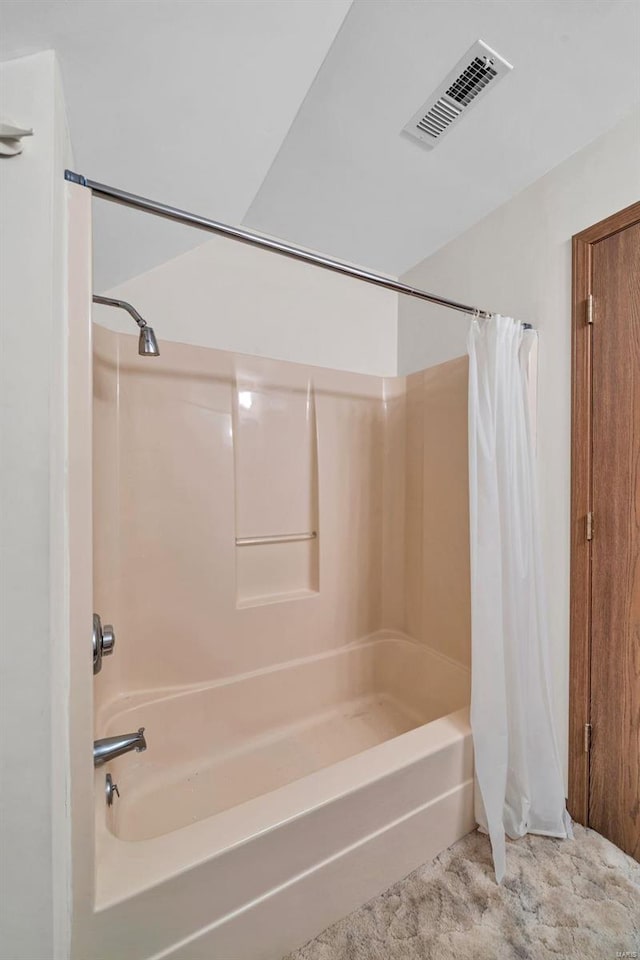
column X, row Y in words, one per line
column 519, row 786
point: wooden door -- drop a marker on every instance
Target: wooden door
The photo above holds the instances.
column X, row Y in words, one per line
column 605, row 655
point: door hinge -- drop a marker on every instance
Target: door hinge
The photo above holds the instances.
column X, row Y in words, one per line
column 589, row 309
column 589, row 526
column 587, row 737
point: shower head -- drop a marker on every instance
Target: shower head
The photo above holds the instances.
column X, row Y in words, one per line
column 147, row 343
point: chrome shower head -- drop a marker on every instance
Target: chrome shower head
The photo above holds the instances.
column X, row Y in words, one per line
column 147, row 343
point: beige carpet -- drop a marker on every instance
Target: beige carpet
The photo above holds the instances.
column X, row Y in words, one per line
column 560, row 899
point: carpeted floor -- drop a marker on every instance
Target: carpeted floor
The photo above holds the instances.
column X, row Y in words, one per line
column 560, row 899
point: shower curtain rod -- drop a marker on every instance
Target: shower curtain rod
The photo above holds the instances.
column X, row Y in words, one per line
column 265, row 243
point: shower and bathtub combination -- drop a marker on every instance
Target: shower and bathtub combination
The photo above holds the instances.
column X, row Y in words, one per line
column 282, row 729
column 304, row 705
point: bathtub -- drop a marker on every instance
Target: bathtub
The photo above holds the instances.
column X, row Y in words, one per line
column 270, row 804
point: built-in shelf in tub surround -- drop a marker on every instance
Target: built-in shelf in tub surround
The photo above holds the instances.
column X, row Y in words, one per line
column 276, row 483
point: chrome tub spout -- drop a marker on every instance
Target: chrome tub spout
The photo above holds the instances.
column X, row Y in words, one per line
column 111, row 747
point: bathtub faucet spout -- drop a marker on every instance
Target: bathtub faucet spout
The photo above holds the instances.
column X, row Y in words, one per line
column 111, row 747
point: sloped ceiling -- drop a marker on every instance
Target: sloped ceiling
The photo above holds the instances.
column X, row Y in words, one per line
column 286, row 114
column 185, row 101
column 347, row 182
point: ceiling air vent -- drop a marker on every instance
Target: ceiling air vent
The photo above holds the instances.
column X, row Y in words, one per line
column 478, row 71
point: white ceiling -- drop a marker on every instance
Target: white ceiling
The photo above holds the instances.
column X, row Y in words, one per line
column 285, row 115
column 184, row 101
column 345, row 181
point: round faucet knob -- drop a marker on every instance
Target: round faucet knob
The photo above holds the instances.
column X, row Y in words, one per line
column 104, row 640
column 108, row 640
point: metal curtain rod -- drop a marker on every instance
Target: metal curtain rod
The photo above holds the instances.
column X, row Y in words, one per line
column 265, row 243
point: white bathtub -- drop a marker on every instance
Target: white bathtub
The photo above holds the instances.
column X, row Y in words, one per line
column 270, row 804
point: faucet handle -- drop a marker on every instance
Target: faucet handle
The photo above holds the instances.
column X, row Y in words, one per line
column 104, row 641
column 108, row 640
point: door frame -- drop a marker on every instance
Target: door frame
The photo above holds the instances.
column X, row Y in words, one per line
column 583, row 317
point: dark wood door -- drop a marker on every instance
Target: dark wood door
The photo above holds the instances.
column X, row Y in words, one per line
column 614, row 761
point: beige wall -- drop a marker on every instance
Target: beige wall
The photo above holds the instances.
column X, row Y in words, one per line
column 518, row 261
column 34, row 829
column 437, row 576
column 181, row 469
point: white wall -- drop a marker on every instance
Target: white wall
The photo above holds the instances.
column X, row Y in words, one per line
column 33, row 749
column 518, row 261
column 233, row 297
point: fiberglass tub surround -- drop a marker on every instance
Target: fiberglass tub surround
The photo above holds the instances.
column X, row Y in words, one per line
column 382, row 471
column 291, row 602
